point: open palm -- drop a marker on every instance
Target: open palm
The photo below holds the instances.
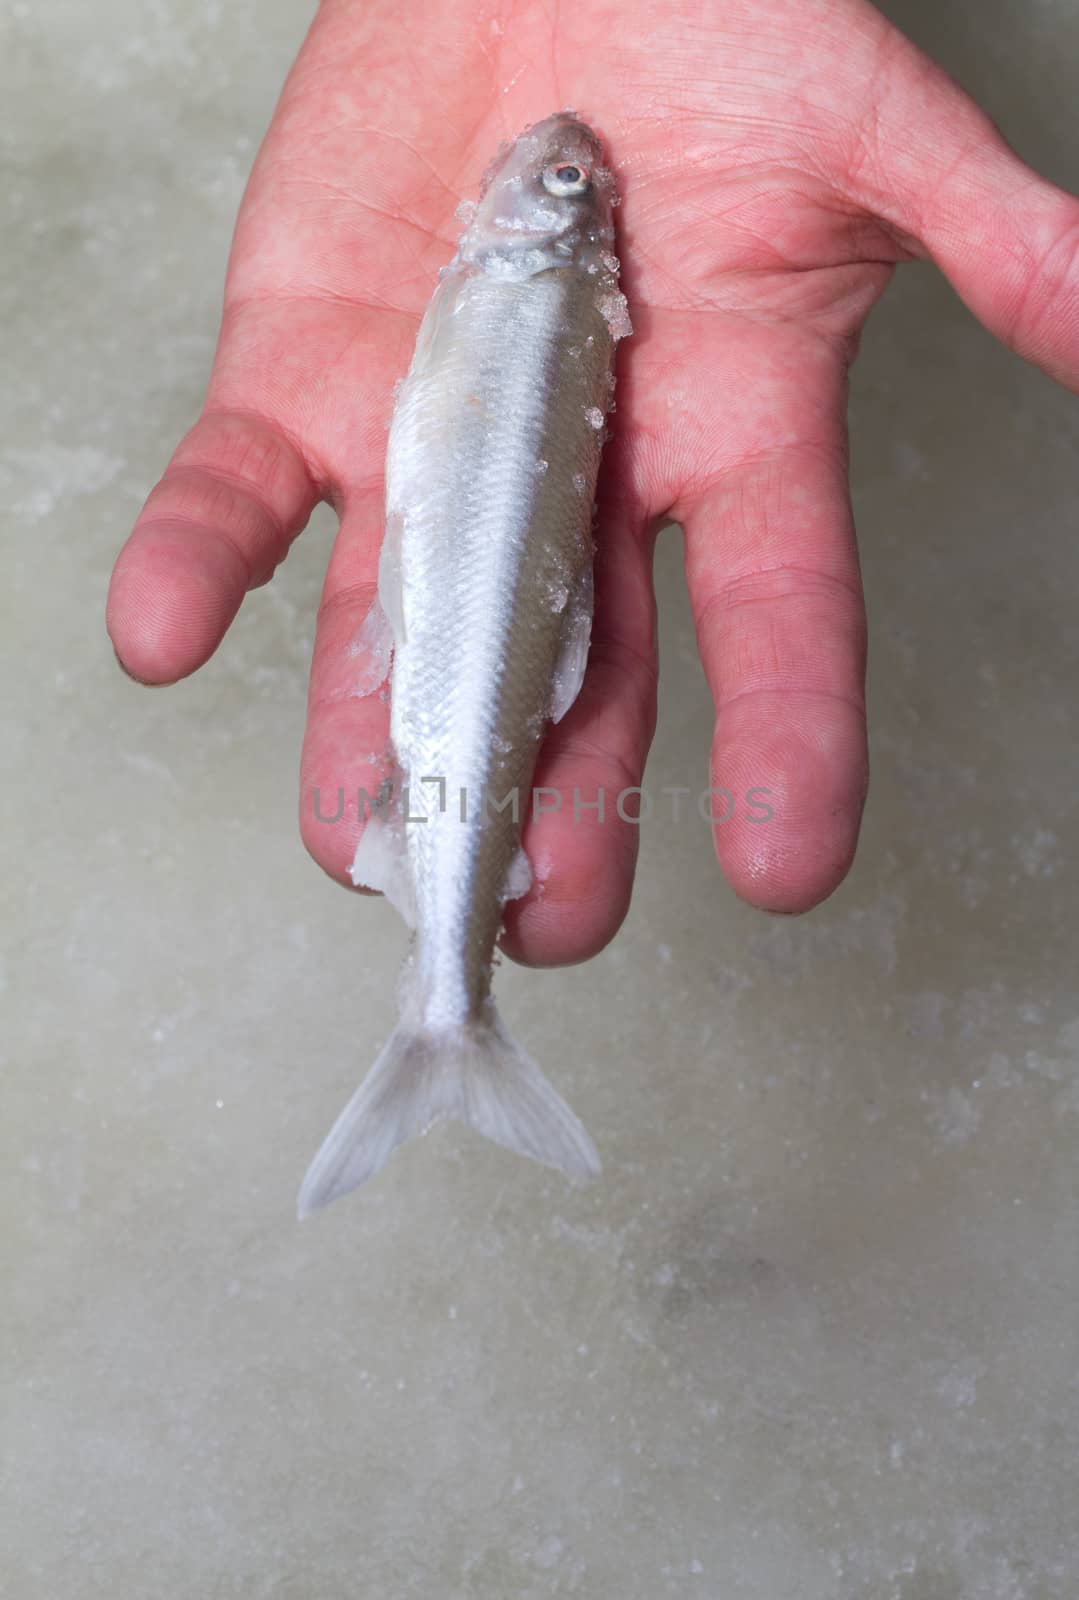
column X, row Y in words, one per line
column 776, row 159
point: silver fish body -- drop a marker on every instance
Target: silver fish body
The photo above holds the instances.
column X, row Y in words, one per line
column 485, row 587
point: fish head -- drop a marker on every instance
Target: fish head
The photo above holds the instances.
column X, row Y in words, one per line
column 546, row 201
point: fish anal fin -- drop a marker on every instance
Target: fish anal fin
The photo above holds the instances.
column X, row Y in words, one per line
column 573, row 656
column 381, row 863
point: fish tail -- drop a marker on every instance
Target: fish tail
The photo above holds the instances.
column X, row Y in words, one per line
column 473, row 1072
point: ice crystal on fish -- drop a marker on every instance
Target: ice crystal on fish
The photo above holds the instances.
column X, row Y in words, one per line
column 615, row 312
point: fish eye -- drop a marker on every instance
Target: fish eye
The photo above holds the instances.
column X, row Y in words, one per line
column 567, row 178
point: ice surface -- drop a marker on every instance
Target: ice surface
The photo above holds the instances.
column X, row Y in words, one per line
column 813, row 1337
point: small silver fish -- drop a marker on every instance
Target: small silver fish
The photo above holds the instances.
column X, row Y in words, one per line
column 485, row 598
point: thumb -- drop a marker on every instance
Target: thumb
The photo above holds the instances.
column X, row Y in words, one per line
column 937, row 169
column 233, row 497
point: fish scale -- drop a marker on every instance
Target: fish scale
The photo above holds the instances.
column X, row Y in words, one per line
column 520, row 530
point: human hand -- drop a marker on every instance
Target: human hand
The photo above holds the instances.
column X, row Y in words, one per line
column 776, row 159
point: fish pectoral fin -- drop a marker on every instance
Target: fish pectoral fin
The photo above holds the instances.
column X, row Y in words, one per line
column 381, row 863
column 573, row 657
column 518, row 876
column 390, row 581
column 373, row 645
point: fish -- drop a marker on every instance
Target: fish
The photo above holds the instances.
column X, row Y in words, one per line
column 484, row 609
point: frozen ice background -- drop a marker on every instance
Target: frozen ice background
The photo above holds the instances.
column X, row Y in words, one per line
column 814, row 1336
